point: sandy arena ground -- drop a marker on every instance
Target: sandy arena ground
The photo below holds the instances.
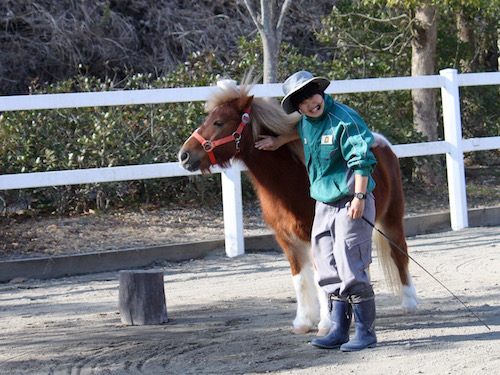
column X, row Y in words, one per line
column 233, row 316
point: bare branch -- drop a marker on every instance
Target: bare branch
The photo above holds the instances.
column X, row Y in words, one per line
column 282, row 15
column 253, row 14
column 381, row 20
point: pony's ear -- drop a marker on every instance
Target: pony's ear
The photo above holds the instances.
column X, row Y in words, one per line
column 243, row 103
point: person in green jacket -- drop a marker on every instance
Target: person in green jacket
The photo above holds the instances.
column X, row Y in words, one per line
column 339, row 163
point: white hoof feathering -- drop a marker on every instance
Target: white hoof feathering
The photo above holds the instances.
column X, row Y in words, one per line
column 307, row 301
column 409, row 298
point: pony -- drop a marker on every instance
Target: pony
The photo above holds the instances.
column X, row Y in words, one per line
column 235, row 120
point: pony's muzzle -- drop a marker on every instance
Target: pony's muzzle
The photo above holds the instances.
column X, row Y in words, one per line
column 187, row 161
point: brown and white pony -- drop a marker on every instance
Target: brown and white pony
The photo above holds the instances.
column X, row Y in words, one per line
column 280, row 179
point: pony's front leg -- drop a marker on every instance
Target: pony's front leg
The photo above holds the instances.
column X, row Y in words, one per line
column 324, row 311
column 307, row 301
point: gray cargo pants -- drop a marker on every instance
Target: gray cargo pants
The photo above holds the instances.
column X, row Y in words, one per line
column 342, row 247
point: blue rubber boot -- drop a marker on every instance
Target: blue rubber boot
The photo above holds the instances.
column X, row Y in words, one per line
column 364, row 319
column 340, row 318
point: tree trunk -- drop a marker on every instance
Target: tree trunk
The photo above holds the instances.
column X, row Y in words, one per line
column 424, row 100
column 271, row 52
column 498, row 44
column 465, row 35
column 142, row 298
column 270, row 26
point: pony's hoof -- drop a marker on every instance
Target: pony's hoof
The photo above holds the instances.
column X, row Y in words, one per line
column 323, row 332
column 409, row 301
column 301, row 330
column 409, row 310
column 409, row 306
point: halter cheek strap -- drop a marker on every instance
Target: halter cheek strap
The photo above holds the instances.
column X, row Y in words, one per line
column 209, row 145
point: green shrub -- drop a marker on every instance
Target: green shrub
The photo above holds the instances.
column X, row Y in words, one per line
column 49, row 140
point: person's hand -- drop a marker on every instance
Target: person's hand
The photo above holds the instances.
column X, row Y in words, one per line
column 356, row 208
column 267, row 143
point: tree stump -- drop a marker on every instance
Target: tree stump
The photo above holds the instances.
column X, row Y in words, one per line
column 142, row 298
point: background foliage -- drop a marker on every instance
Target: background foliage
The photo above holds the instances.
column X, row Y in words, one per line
column 345, row 44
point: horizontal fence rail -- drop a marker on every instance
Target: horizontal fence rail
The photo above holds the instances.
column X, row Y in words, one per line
column 453, row 146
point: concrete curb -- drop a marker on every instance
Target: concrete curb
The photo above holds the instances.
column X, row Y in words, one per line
column 422, row 224
column 71, row 265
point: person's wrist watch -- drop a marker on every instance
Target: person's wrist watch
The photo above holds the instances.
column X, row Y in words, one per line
column 360, row 195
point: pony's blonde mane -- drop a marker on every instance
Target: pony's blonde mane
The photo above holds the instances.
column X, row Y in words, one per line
column 266, row 112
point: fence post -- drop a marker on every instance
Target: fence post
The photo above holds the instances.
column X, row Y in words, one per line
column 455, row 158
column 233, row 210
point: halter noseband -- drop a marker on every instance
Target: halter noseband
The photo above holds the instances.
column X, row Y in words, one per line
column 209, row 145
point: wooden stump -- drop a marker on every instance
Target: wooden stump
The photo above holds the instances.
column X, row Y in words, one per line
column 142, row 298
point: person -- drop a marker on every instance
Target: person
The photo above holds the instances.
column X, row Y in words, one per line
column 339, row 164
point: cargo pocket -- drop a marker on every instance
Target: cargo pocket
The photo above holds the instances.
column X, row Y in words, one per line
column 360, row 252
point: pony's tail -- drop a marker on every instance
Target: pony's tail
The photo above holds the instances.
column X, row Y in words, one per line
column 386, row 262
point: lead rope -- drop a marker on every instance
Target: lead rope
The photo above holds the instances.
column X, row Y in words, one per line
column 422, row 267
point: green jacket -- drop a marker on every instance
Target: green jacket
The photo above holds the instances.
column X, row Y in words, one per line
column 336, row 146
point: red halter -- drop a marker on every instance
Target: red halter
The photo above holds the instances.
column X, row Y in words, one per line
column 209, row 145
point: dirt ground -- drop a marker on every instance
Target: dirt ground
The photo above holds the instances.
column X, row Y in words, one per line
column 26, row 237
column 234, row 315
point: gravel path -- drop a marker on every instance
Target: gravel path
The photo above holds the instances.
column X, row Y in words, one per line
column 234, row 315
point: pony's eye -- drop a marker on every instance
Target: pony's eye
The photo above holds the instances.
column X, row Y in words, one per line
column 219, row 124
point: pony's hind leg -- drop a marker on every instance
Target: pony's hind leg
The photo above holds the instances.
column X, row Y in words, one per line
column 395, row 265
column 389, row 199
column 409, row 301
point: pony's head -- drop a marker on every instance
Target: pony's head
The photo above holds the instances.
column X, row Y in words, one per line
column 218, row 139
column 234, row 121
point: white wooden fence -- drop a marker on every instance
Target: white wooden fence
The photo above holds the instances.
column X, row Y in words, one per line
column 453, row 145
